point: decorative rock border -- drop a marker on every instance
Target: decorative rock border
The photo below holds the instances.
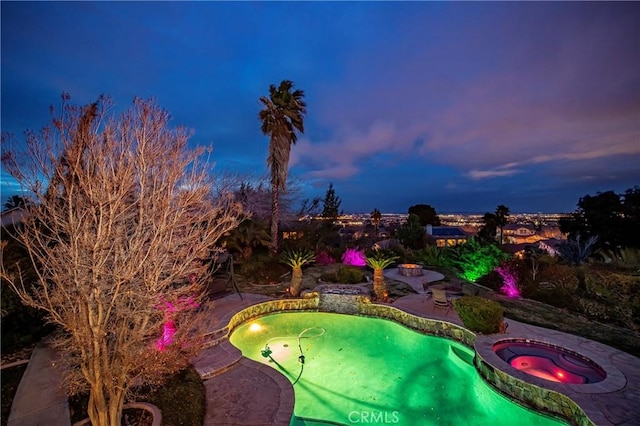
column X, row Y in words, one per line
column 549, row 401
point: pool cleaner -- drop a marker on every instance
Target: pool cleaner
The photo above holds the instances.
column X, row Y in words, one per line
column 266, row 352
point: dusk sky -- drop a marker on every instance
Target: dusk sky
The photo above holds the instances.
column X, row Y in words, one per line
column 459, row 105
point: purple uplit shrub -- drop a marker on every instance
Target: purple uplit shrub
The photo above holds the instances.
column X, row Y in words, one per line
column 169, row 326
column 324, row 258
column 354, row 257
column 510, row 286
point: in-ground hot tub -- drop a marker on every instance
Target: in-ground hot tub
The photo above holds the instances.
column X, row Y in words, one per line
column 548, row 361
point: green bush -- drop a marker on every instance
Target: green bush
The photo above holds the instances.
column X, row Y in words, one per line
column 479, row 314
column 430, row 255
column 344, row 275
column 473, row 259
column 262, row 269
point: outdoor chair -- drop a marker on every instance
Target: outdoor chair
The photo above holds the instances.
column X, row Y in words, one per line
column 440, row 300
column 426, row 292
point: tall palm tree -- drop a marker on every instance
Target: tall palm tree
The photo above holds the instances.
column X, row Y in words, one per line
column 502, row 216
column 282, row 116
column 375, row 218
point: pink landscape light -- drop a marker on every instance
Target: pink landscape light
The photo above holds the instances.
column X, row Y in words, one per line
column 354, row 257
column 510, row 286
column 169, row 326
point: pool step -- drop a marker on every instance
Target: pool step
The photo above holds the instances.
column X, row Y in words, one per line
column 464, row 355
column 217, row 359
column 215, row 337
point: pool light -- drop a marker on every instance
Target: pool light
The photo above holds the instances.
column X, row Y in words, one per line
column 255, row 327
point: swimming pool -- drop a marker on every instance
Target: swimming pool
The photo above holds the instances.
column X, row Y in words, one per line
column 359, row 370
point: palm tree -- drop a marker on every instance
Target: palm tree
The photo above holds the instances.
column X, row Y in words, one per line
column 14, row 202
column 378, row 262
column 296, row 259
column 282, row 116
column 375, row 219
column 248, row 236
column 502, row 214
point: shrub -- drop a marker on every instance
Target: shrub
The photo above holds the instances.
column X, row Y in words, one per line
column 263, row 269
column 473, row 259
column 349, row 275
column 354, row 256
column 610, row 295
column 324, row 258
column 398, row 251
column 479, row 314
column 430, row 255
column 626, row 258
column 509, row 274
column 344, row 275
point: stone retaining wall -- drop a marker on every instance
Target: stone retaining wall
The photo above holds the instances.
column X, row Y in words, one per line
column 271, row 306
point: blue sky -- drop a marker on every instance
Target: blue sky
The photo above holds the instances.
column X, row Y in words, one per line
column 460, row 105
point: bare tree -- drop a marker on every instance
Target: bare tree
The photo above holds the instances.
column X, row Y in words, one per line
column 254, row 193
column 119, row 235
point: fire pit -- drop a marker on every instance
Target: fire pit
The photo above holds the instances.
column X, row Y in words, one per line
column 410, row 270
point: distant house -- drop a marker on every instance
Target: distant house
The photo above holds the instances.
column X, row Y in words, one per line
column 514, row 233
column 517, row 250
column 446, row 236
column 550, row 246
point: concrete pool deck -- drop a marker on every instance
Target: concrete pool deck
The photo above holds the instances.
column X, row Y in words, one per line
column 243, row 392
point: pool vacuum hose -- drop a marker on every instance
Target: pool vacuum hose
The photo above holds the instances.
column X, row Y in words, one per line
column 266, row 351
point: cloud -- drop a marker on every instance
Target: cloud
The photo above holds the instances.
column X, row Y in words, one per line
column 537, row 90
column 484, row 174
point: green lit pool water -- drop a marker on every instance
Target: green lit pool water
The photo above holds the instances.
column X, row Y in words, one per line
column 360, row 370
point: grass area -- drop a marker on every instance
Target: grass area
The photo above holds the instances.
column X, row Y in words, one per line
column 10, row 378
column 181, row 400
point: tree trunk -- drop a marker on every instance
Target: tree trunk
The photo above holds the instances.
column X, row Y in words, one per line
column 379, row 286
column 274, row 219
column 296, row 281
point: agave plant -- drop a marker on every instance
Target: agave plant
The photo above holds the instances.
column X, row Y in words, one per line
column 296, row 259
column 378, row 262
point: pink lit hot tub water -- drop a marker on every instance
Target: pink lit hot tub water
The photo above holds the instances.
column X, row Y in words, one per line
column 549, row 362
